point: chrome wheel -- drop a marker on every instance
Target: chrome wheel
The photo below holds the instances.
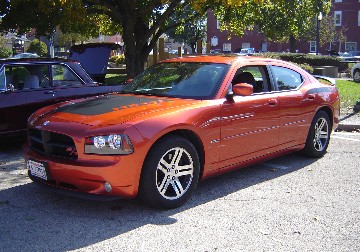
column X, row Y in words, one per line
column 321, row 137
column 170, row 172
column 357, row 75
column 318, row 137
column 174, row 173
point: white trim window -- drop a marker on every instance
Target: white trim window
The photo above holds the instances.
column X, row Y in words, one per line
column 337, row 18
column 312, row 46
column 338, row 1
column 218, row 24
column 350, row 46
column 359, row 18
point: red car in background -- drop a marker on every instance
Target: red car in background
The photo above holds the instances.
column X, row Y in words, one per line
column 180, row 121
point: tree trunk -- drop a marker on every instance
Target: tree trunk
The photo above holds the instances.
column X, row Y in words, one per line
column 292, row 42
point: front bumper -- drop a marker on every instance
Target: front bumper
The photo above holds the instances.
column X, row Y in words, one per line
column 81, row 177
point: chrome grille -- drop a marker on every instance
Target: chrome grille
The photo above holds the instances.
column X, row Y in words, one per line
column 51, row 143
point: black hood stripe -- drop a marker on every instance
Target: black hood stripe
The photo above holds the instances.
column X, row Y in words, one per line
column 106, row 104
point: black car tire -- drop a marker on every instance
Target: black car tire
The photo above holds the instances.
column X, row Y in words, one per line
column 357, row 75
column 319, row 135
column 170, row 173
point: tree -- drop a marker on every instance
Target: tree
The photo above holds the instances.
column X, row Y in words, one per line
column 188, row 32
column 142, row 21
column 329, row 33
column 290, row 20
column 38, row 47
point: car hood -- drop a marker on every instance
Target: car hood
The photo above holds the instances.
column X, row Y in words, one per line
column 118, row 109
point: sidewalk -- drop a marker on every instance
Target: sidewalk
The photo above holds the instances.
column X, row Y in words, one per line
column 349, row 122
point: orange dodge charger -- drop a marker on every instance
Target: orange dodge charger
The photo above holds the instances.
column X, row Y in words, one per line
column 180, row 121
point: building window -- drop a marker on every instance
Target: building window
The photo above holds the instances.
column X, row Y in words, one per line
column 337, row 18
column 359, row 18
column 350, row 46
column 218, row 24
column 312, row 46
column 338, row 1
column 227, row 47
column 245, row 45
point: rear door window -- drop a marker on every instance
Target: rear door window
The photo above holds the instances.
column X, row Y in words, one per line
column 285, row 78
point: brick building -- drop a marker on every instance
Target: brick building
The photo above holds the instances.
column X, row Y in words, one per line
column 346, row 14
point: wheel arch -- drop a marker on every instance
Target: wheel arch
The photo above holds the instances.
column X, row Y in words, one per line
column 190, row 136
column 330, row 113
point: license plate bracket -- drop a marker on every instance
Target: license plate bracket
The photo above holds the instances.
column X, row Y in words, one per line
column 38, row 169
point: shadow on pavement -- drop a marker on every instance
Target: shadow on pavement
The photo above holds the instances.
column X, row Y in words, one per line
column 34, row 219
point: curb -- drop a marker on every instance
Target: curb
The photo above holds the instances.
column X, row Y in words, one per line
column 348, row 127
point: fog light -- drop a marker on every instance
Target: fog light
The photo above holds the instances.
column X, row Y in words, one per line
column 108, row 187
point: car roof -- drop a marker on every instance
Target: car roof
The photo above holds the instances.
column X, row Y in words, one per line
column 37, row 60
column 222, row 59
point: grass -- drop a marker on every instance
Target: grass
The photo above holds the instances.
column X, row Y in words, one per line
column 115, row 79
column 349, row 93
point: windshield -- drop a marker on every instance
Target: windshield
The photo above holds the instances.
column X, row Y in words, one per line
column 179, row 79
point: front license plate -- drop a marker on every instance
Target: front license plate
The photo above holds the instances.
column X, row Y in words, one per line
column 37, row 169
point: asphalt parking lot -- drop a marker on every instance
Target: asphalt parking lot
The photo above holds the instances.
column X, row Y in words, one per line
column 290, row 203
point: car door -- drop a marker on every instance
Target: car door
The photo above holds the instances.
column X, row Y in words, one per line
column 250, row 124
column 297, row 105
column 22, row 96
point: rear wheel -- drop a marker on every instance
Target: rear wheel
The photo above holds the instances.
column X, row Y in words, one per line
column 357, row 75
column 170, row 173
column 319, row 135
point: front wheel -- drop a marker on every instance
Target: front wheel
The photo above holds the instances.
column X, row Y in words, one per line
column 319, row 135
column 170, row 173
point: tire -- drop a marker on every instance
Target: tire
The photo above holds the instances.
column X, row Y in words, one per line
column 357, row 75
column 319, row 135
column 170, row 173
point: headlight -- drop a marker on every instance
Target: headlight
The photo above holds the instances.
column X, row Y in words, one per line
column 113, row 144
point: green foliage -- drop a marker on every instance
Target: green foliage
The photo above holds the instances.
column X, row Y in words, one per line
column 118, row 59
column 301, row 58
column 5, row 52
column 115, row 79
column 189, row 27
column 38, row 47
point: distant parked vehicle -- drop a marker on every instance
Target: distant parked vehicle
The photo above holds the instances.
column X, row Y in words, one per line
column 247, row 51
column 355, row 55
column 29, row 84
column 355, row 72
column 25, row 55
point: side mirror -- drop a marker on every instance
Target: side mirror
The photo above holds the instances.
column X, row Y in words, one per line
column 243, row 89
column 10, row 87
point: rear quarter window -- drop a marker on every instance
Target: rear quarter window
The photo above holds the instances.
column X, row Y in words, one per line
column 285, row 78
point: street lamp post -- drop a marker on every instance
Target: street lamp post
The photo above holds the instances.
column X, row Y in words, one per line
column 318, row 19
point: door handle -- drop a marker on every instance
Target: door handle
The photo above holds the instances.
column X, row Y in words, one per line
column 53, row 93
column 273, row 102
column 311, row 96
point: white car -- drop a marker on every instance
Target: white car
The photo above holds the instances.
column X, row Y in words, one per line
column 355, row 72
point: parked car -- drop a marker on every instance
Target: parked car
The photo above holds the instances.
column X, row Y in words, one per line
column 25, row 55
column 180, row 121
column 355, row 55
column 29, row 84
column 355, row 72
column 247, row 51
